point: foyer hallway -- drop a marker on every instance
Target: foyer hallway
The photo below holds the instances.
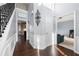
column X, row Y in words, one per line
column 25, row 49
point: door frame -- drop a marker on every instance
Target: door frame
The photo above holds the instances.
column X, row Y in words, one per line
column 18, row 30
column 74, row 18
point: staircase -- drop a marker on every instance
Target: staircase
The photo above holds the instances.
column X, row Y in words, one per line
column 6, row 11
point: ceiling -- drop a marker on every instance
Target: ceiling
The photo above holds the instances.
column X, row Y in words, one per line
column 62, row 9
column 23, row 6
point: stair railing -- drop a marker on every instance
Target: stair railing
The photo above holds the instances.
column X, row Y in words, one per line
column 5, row 14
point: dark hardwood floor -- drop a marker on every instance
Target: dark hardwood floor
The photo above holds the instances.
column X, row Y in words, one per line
column 23, row 48
column 66, row 51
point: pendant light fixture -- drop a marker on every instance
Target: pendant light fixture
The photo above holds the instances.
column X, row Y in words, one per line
column 37, row 17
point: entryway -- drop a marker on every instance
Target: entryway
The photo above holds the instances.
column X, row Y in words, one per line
column 22, row 30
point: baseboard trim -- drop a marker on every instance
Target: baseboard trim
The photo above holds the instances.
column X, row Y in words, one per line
column 66, row 47
column 61, row 51
column 71, row 49
column 76, row 51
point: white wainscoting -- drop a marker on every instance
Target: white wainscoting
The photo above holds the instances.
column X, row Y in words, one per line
column 42, row 41
column 8, row 39
column 8, row 46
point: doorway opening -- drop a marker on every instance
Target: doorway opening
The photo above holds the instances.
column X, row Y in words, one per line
column 65, row 31
column 22, row 30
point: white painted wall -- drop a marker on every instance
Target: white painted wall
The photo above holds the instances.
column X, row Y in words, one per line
column 31, row 24
column 77, row 31
column 64, row 27
column 7, row 44
column 22, row 14
column 12, row 29
column 43, row 32
column 23, row 6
